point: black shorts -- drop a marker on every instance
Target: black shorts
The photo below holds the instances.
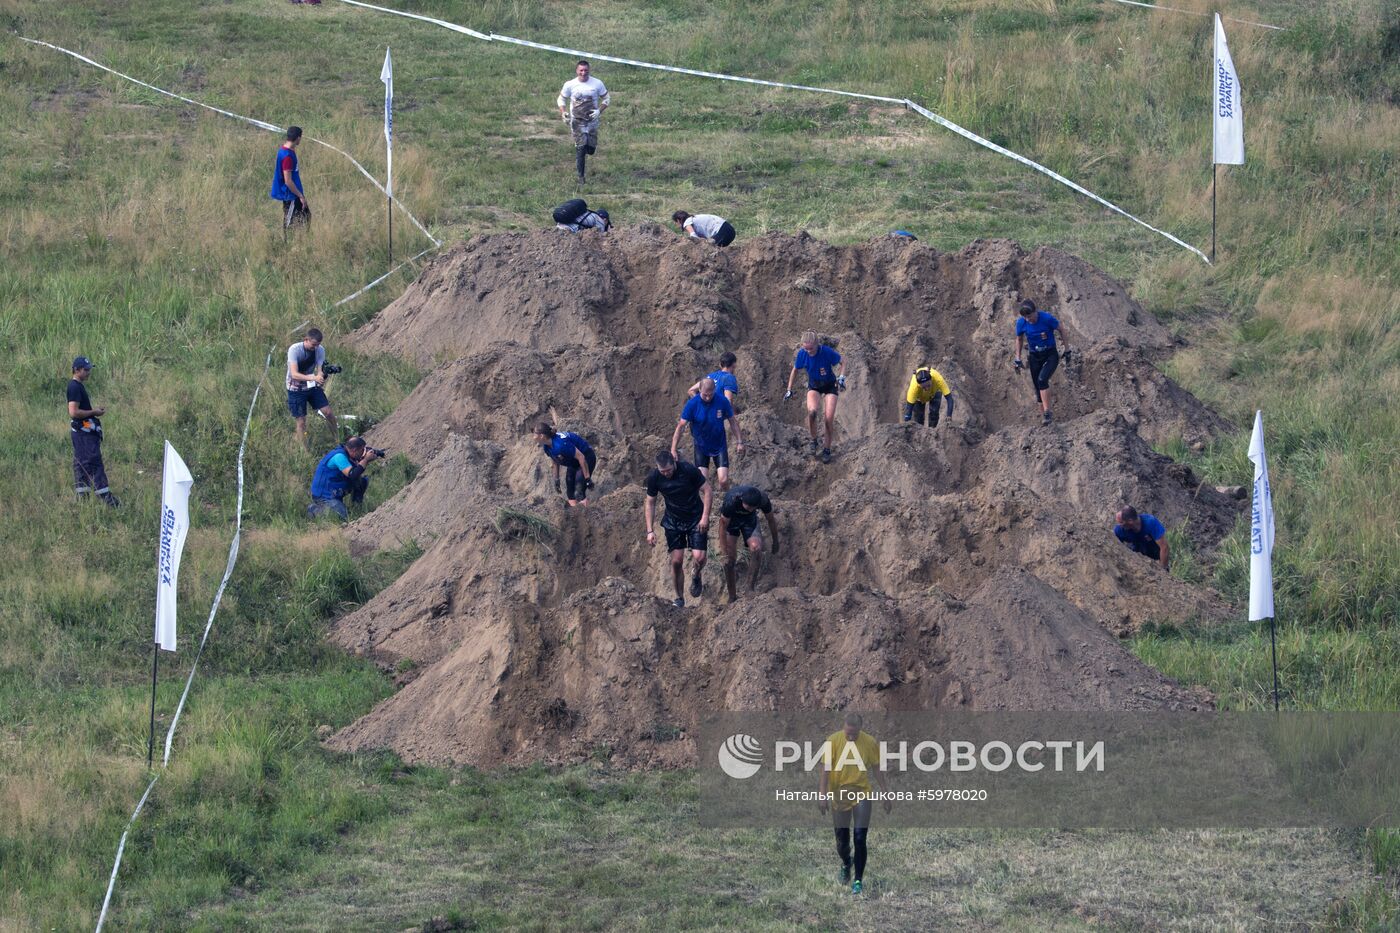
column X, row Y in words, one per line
column 744, row 527
column 678, row 539
column 704, row 461
column 724, row 235
column 573, row 476
column 1042, row 367
column 825, row 388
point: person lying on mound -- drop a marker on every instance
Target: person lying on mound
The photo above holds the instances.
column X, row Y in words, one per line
column 575, row 215
column 570, row 451
column 710, row 227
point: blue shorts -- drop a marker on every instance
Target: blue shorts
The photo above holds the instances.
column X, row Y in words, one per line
column 704, row 460
column 297, row 400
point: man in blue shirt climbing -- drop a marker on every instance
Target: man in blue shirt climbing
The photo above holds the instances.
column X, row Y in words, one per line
column 286, row 183
column 725, row 380
column 1143, row 533
column 706, row 414
column 825, row 379
column 1037, row 329
column 341, row 472
column 571, row 452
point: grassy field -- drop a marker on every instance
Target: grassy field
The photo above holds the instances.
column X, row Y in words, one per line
column 138, row 231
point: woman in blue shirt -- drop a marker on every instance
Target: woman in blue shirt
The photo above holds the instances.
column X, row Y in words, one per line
column 1037, row 328
column 825, row 379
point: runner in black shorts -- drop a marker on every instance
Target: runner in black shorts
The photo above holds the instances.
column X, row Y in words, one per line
column 825, row 380
column 687, row 520
column 1037, row 329
column 738, row 518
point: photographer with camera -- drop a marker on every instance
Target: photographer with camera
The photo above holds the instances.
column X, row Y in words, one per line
column 306, row 375
column 341, row 472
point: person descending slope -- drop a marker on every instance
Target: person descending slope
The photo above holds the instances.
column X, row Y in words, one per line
column 570, row 451
column 1037, row 328
column 738, row 519
column 687, row 522
column 582, row 101
column 924, row 388
column 825, row 378
column 706, row 414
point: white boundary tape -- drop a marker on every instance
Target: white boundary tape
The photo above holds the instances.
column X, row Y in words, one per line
column 218, row 595
column 261, row 124
column 923, row 111
column 1172, row 9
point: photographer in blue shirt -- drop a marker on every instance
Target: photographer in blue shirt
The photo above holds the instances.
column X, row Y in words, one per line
column 341, row 472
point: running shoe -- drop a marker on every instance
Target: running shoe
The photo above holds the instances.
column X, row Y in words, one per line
column 678, row 602
column 826, row 455
column 856, row 887
column 695, row 586
column 1047, row 419
column 815, row 446
column 845, row 875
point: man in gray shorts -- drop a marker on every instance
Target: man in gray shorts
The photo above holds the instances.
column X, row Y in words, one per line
column 581, row 102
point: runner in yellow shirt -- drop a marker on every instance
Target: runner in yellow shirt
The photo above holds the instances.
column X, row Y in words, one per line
column 925, row 386
column 850, row 756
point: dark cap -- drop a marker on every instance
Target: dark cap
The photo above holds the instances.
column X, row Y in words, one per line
column 922, row 376
column 81, row 362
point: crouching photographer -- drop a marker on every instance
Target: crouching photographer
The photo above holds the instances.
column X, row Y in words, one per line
column 341, row 472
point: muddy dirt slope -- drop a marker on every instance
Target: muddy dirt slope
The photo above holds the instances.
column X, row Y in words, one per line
column 971, row 565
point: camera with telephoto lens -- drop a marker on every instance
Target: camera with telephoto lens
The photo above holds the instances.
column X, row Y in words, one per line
column 330, row 369
column 381, row 454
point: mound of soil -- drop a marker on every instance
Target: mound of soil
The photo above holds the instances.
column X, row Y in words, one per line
column 971, row 565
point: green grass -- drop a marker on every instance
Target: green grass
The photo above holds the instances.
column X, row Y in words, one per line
column 138, row 231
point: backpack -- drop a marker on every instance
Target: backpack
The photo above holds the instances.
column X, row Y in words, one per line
column 570, row 211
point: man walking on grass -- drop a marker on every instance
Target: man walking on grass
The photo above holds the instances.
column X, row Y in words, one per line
column 848, row 758
column 286, row 183
column 688, row 497
column 582, row 101
column 306, row 381
column 738, row 520
column 706, row 414
column 85, row 428
column 825, row 379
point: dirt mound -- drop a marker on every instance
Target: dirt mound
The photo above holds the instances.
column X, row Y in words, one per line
column 971, row 565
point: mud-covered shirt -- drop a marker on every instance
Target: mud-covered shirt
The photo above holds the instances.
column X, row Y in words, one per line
column 733, row 502
column 681, row 492
column 1040, row 333
column 584, row 100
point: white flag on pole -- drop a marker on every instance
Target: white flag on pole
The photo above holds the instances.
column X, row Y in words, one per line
column 175, row 486
column 1261, row 530
column 386, row 74
column 1229, row 109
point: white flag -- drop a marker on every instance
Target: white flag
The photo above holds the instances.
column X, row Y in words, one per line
column 175, row 486
column 386, row 74
column 1229, row 109
column 1261, row 531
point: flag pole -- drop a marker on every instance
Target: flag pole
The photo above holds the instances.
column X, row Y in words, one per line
column 151, row 743
column 1273, row 643
column 390, row 202
column 1213, row 168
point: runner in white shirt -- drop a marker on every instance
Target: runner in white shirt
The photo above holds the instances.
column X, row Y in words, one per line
column 705, row 227
column 581, row 102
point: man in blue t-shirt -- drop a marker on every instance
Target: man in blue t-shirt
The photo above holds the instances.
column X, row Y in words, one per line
column 724, row 378
column 341, row 472
column 286, row 182
column 706, row 414
column 1143, row 533
column 574, row 455
column 1037, row 329
column 825, row 378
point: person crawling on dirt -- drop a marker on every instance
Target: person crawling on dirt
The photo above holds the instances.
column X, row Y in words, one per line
column 687, row 522
column 924, row 389
column 738, row 519
column 1037, row 328
column 844, row 788
column 705, row 227
column 571, row 452
column 706, row 414
column 341, row 472
column 286, row 183
column 724, row 378
column 582, row 101
column 1143, row 533
column 825, row 378
column 575, row 216
column 305, row 380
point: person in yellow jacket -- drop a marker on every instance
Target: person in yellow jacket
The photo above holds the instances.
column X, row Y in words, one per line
column 849, row 756
column 924, row 388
